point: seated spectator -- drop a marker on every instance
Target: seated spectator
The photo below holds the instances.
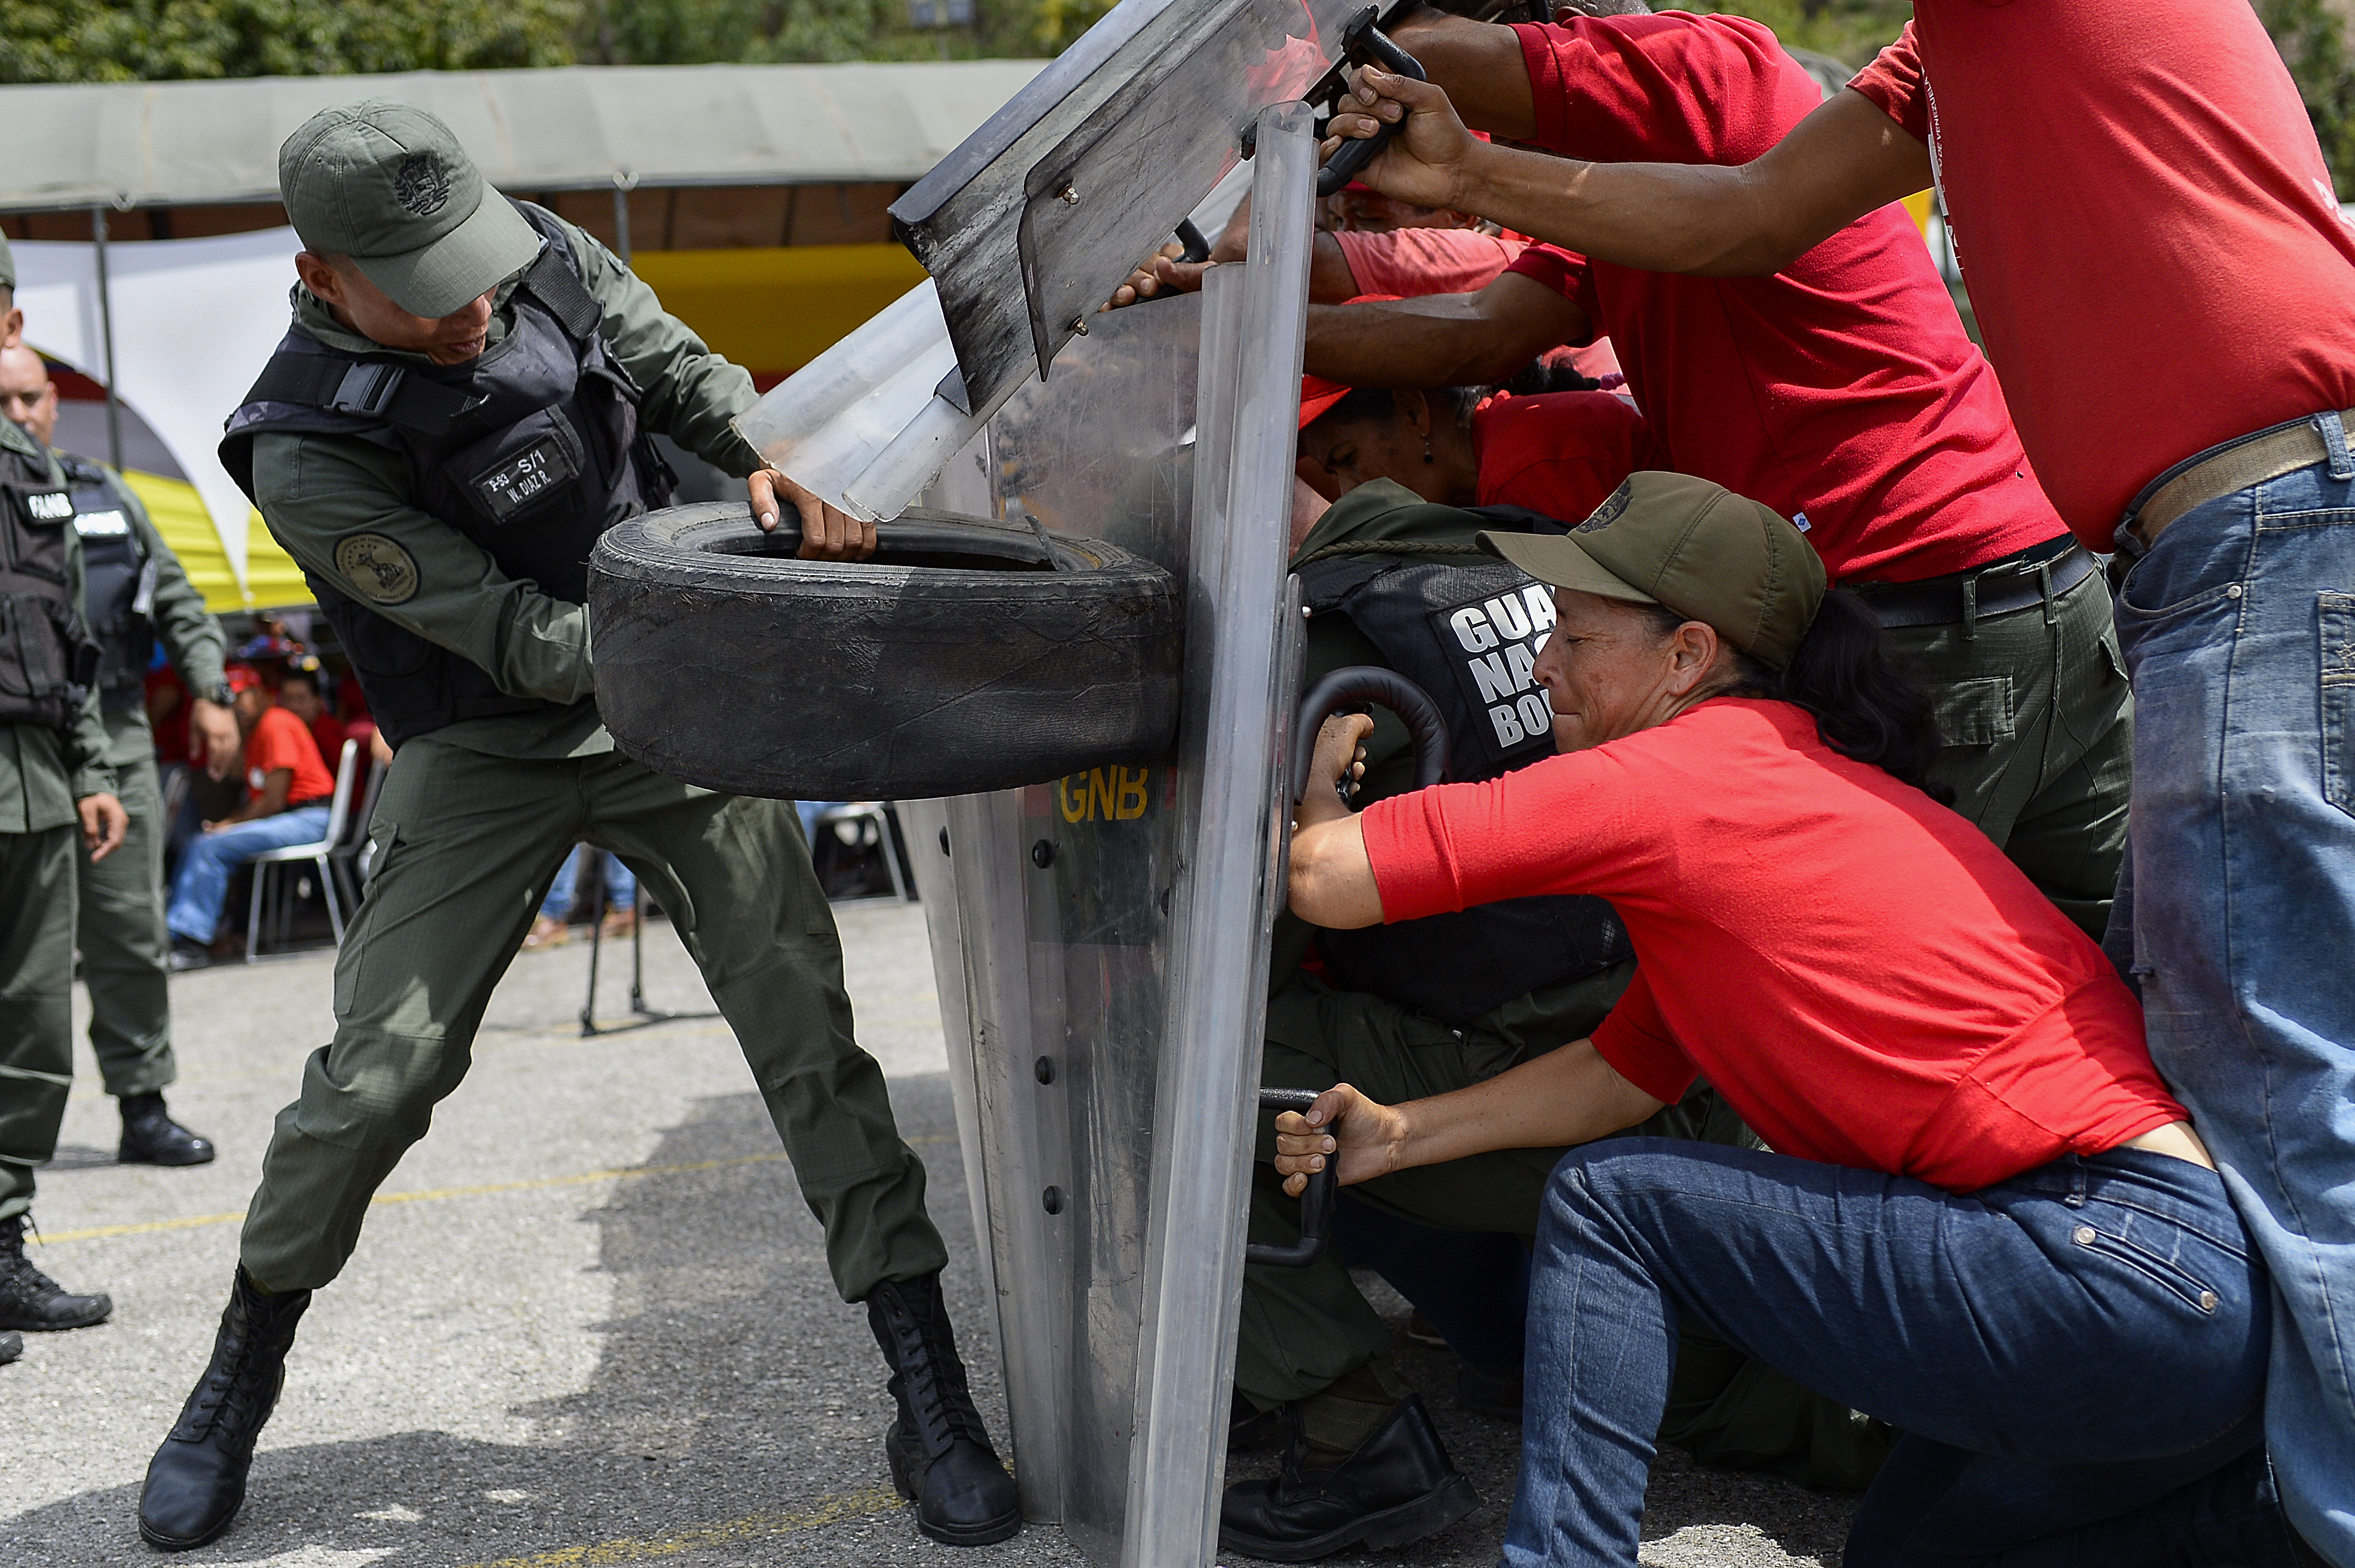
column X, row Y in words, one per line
column 288, row 792
column 300, row 694
column 1987, row 1222
column 621, row 916
column 1559, row 454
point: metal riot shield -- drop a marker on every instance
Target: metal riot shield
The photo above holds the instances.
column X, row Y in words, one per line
column 1101, row 942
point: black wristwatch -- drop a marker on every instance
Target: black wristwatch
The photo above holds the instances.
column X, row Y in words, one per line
column 220, row 695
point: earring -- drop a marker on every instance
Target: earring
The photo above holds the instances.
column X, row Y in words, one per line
column 1426, row 451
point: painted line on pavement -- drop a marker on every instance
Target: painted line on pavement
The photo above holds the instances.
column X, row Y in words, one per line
column 837, row 1510
column 435, row 1194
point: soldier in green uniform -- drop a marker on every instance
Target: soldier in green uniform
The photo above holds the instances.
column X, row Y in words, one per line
column 465, row 402
column 55, row 782
column 135, row 592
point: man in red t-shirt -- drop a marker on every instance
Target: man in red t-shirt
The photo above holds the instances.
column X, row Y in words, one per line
column 289, row 792
column 1841, row 390
column 2166, row 285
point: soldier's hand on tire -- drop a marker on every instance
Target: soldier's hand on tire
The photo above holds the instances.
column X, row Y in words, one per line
column 1364, row 1135
column 104, row 824
column 828, row 533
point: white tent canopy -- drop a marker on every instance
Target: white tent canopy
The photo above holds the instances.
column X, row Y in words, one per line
column 576, row 127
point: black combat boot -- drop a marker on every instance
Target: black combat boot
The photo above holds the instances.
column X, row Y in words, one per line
column 150, row 1136
column 940, row 1453
column 1396, row 1486
column 31, row 1299
column 196, row 1479
column 11, row 1347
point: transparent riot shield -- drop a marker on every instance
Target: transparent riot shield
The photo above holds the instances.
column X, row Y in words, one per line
column 1101, row 942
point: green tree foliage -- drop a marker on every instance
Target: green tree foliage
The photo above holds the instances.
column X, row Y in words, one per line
column 2312, row 37
column 131, row 40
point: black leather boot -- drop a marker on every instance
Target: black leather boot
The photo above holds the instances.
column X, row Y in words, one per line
column 940, row 1453
column 31, row 1299
column 1397, row 1486
column 11, row 1347
column 150, row 1136
column 196, row 1479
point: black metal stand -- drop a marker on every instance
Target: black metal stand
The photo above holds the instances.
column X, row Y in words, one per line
column 641, row 1014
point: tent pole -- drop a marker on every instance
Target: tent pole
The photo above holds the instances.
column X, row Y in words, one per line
column 622, row 184
column 106, row 332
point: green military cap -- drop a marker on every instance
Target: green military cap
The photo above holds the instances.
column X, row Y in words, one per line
column 387, row 184
column 7, row 265
column 1692, row 546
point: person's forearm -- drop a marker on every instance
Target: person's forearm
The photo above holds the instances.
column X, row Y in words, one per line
column 1440, row 340
column 1330, row 280
column 1567, row 1096
column 1661, row 218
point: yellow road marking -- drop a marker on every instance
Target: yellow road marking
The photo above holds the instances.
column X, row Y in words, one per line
column 435, row 1194
column 757, row 1527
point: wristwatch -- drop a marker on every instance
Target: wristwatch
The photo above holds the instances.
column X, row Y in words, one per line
column 220, row 695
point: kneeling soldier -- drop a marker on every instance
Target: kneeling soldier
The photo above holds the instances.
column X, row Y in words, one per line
column 462, row 407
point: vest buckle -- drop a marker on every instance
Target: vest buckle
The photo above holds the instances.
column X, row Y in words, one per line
column 366, row 389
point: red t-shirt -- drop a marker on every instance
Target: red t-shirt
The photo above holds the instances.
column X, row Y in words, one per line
column 1408, row 262
column 1560, row 454
column 2146, row 222
column 281, row 740
column 1856, row 968
column 1843, row 389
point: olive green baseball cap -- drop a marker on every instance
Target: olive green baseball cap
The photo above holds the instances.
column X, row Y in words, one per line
column 387, row 184
column 1693, row 548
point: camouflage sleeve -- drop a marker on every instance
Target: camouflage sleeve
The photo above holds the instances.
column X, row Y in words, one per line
column 338, row 506
column 691, row 393
column 193, row 639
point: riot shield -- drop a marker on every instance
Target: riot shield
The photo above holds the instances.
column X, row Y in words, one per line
column 1101, row 942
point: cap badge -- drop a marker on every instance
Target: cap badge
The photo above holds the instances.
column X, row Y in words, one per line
column 1608, row 513
column 421, row 184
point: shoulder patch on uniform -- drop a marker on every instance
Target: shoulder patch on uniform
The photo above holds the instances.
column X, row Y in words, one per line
column 381, row 569
column 1608, row 513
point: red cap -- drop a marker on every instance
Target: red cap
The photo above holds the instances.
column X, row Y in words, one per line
column 242, row 677
column 1316, row 395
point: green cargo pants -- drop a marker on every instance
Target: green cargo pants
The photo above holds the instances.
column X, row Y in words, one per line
column 465, row 846
column 1303, row 1329
column 2039, row 729
column 124, row 953
column 36, row 892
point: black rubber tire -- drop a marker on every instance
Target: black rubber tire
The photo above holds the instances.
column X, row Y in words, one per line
column 952, row 662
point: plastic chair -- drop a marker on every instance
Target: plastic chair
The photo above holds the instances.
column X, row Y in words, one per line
column 339, row 812
column 350, row 858
column 887, row 837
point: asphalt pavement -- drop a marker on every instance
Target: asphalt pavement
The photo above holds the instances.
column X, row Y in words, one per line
column 588, row 1321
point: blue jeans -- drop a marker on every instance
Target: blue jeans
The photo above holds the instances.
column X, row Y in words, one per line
column 202, row 882
column 2077, row 1355
column 2239, row 631
column 621, row 888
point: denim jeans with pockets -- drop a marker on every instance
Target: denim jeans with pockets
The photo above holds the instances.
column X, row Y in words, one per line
column 2239, row 631
column 2076, row 1356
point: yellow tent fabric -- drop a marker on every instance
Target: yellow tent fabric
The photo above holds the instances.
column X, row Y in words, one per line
column 776, row 309
column 277, row 582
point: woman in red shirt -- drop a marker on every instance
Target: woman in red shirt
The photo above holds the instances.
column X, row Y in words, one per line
column 1987, row 1222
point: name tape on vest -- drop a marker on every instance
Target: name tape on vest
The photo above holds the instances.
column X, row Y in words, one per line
column 1500, row 639
column 48, row 506
column 516, row 482
column 108, row 524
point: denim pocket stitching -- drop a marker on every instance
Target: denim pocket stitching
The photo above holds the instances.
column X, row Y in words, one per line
column 2166, row 1271
column 2165, row 1218
column 2334, row 654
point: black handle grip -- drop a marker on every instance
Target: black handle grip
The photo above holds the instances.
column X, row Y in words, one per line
column 1354, row 684
column 1197, row 249
column 1316, row 1203
column 1361, row 42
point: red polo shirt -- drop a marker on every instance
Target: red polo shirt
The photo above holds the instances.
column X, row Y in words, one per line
column 1841, row 390
column 1560, row 454
column 1856, row 968
column 2151, row 235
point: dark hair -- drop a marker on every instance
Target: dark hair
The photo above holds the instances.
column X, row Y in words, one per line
column 1368, row 405
column 1868, row 703
column 1550, row 372
column 309, row 677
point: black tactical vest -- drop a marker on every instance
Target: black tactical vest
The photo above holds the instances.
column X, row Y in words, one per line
column 47, row 661
column 118, row 584
column 531, row 451
column 1466, row 628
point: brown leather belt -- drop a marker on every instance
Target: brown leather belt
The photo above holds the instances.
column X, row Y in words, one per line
column 2237, row 467
column 2019, row 582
